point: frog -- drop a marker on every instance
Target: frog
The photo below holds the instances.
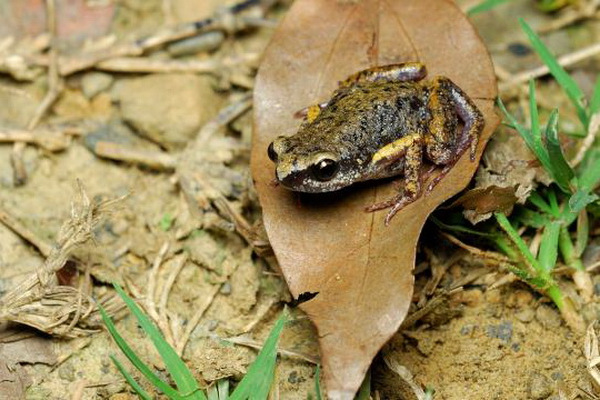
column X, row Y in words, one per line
column 381, row 122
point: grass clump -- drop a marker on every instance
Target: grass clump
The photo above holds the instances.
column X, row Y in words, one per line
column 256, row 384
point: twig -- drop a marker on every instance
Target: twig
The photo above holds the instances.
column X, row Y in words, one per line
column 48, row 139
column 565, row 61
column 162, row 304
column 149, row 65
column 225, row 19
column 245, row 341
column 54, row 88
column 156, row 160
column 588, row 141
column 17, row 227
column 573, row 14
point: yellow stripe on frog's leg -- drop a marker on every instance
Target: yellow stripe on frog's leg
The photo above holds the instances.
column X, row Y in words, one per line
column 410, row 71
column 397, row 148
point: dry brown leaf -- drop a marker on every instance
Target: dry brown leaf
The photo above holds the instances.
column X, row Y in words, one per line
column 480, row 203
column 361, row 270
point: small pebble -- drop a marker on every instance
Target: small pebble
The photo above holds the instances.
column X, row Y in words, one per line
column 493, row 296
column 93, row 83
column 540, row 387
column 226, row 289
column 525, row 315
column 501, row 331
column 548, row 316
column 206, row 42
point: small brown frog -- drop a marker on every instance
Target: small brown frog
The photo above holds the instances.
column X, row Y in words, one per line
column 380, row 122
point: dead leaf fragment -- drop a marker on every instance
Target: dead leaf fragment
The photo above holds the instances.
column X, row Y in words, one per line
column 361, row 270
column 480, row 203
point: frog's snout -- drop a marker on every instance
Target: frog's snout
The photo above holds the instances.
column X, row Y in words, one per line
column 276, row 148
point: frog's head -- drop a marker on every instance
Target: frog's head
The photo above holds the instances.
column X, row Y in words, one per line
column 308, row 166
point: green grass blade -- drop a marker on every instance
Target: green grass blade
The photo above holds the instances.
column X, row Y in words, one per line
column 318, row 383
column 132, row 382
column 589, row 176
column 135, row 360
column 534, row 143
column 561, row 170
column 485, row 5
column 580, row 200
column 223, row 389
column 548, row 253
column 186, row 384
column 583, row 233
column 364, row 392
column 562, row 77
column 257, row 382
column 533, row 112
column 595, row 101
column 518, row 241
column 537, row 200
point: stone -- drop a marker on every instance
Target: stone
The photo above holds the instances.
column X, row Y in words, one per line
column 93, row 83
column 168, row 109
column 540, row 387
column 548, row 317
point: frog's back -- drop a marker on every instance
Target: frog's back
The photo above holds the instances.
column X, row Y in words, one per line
column 365, row 117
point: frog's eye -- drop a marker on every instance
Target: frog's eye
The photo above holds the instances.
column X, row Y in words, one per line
column 325, row 169
column 272, row 153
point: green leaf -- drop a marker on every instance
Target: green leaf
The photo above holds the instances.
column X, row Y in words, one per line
column 549, row 246
column 485, row 5
column 318, row 383
column 589, row 176
column 561, row 171
column 132, row 382
column 583, row 234
column 562, row 77
column 518, row 241
column 220, row 391
column 364, row 392
column 580, row 200
column 186, row 384
column 257, row 382
column 135, row 360
column 532, row 141
column 595, row 101
column 537, row 200
column 531, row 218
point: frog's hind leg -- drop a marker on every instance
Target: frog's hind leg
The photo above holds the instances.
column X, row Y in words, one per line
column 442, row 146
column 411, row 148
column 411, row 71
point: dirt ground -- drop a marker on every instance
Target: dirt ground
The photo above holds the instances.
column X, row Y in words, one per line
column 504, row 343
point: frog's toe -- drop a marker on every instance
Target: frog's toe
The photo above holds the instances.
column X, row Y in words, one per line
column 395, row 204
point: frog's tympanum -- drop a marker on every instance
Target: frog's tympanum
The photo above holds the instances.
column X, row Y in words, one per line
column 380, row 122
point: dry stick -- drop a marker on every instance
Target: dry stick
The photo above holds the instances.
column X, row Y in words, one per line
column 54, row 88
column 565, row 61
column 164, row 298
column 156, row 160
column 149, row 65
column 150, row 303
column 588, row 141
column 17, row 227
column 224, row 20
column 245, row 341
column 48, row 139
column 572, row 15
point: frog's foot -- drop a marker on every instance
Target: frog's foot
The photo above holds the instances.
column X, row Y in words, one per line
column 395, row 204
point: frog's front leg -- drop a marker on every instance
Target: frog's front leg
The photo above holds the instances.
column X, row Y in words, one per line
column 411, row 71
column 442, row 146
column 411, row 148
